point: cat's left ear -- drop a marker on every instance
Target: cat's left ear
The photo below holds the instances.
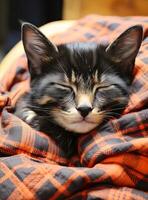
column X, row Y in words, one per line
column 38, row 48
column 125, row 48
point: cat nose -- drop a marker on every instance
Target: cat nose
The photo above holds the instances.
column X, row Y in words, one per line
column 84, row 110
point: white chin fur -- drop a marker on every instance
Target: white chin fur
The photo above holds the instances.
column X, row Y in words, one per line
column 80, row 127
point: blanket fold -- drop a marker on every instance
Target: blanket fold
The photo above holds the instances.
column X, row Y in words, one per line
column 112, row 161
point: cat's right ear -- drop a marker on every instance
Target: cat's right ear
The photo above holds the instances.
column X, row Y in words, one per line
column 39, row 50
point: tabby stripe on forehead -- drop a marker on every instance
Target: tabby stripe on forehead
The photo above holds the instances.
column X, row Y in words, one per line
column 73, row 77
column 66, row 78
column 96, row 77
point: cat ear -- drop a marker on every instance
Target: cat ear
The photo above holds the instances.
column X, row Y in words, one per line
column 125, row 48
column 38, row 48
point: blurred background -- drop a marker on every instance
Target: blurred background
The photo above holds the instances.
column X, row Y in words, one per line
column 40, row 12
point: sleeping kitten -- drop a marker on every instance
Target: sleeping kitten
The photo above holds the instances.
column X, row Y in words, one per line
column 76, row 86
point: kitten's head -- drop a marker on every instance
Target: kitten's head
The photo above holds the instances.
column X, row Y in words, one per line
column 78, row 85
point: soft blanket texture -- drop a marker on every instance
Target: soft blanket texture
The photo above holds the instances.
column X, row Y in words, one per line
column 112, row 161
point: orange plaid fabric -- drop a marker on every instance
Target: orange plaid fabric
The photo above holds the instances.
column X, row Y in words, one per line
column 112, row 161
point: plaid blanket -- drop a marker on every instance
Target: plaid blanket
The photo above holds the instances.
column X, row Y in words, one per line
column 112, row 161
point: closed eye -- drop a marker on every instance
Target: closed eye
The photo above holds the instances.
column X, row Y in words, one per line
column 111, row 87
column 105, row 87
column 62, row 86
